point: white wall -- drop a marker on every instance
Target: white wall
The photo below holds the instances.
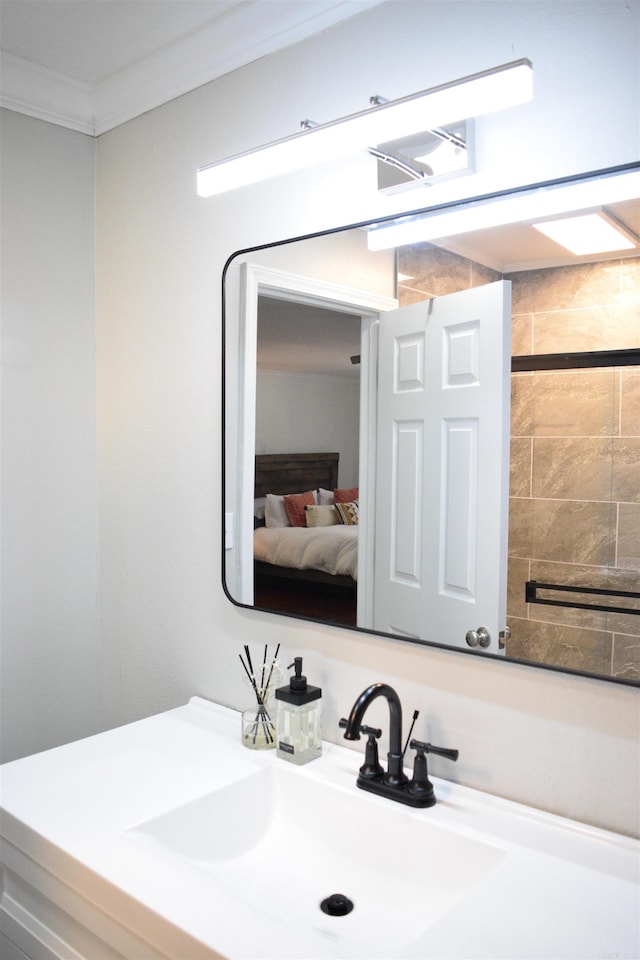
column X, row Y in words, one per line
column 568, row 744
column 343, row 259
column 51, row 688
column 305, row 413
column 565, row 743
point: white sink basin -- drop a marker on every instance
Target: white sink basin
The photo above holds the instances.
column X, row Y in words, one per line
column 166, row 838
column 283, row 842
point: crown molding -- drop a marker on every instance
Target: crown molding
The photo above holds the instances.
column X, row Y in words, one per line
column 250, row 31
column 46, row 95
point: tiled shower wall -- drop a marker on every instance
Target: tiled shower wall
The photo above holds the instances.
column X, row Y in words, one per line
column 575, row 466
column 575, row 452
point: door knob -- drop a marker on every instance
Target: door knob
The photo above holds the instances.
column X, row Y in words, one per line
column 478, row 638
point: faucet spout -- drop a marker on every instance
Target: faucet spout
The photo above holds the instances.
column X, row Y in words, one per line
column 393, row 784
column 394, row 775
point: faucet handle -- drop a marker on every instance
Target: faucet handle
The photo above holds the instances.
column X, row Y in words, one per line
column 371, row 768
column 375, row 732
column 420, row 785
column 423, row 748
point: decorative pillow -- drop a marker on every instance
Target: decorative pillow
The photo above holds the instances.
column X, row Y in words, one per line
column 275, row 511
column 325, row 496
column 324, row 515
column 345, row 496
column 275, row 514
column 295, row 503
column 348, row 512
column 259, row 505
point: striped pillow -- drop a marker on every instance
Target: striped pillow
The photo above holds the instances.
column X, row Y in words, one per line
column 348, row 512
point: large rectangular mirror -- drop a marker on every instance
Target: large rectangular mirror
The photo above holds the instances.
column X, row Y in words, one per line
column 439, row 439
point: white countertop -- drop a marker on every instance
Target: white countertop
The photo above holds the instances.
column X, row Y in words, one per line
column 566, row 890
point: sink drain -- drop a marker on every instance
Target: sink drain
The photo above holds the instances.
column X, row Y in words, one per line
column 337, row 905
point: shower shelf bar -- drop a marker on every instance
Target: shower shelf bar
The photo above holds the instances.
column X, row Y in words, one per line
column 531, row 596
column 575, row 361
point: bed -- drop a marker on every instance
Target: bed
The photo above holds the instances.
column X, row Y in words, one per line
column 292, row 565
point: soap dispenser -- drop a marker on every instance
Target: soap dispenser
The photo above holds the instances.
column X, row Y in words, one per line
column 298, row 737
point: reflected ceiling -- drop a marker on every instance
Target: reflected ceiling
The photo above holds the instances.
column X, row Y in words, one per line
column 306, row 339
column 518, row 246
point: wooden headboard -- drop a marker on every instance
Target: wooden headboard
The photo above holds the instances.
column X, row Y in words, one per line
column 282, row 473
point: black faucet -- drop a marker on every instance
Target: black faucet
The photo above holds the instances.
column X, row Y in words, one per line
column 394, row 784
column 394, row 774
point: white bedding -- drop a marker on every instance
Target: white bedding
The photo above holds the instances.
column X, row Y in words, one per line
column 332, row 549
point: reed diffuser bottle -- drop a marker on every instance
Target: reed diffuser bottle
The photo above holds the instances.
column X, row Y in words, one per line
column 258, row 722
column 299, row 734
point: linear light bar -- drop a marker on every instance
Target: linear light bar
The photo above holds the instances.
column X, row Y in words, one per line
column 527, row 206
column 481, row 93
column 589, row 233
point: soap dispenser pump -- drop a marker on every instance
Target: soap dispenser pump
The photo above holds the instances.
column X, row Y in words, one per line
column 298, row 737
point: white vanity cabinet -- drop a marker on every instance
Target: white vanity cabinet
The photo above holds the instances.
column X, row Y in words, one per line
column 166, row 838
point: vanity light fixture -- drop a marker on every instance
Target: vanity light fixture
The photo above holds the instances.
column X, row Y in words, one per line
column 480, row 93
column 531, row 204
column 425, row 157
column 588, row 233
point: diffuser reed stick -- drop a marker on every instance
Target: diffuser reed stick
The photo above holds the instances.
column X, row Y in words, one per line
column 262, row 727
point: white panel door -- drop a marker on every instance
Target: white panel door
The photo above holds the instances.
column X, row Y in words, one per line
column 443, row 466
